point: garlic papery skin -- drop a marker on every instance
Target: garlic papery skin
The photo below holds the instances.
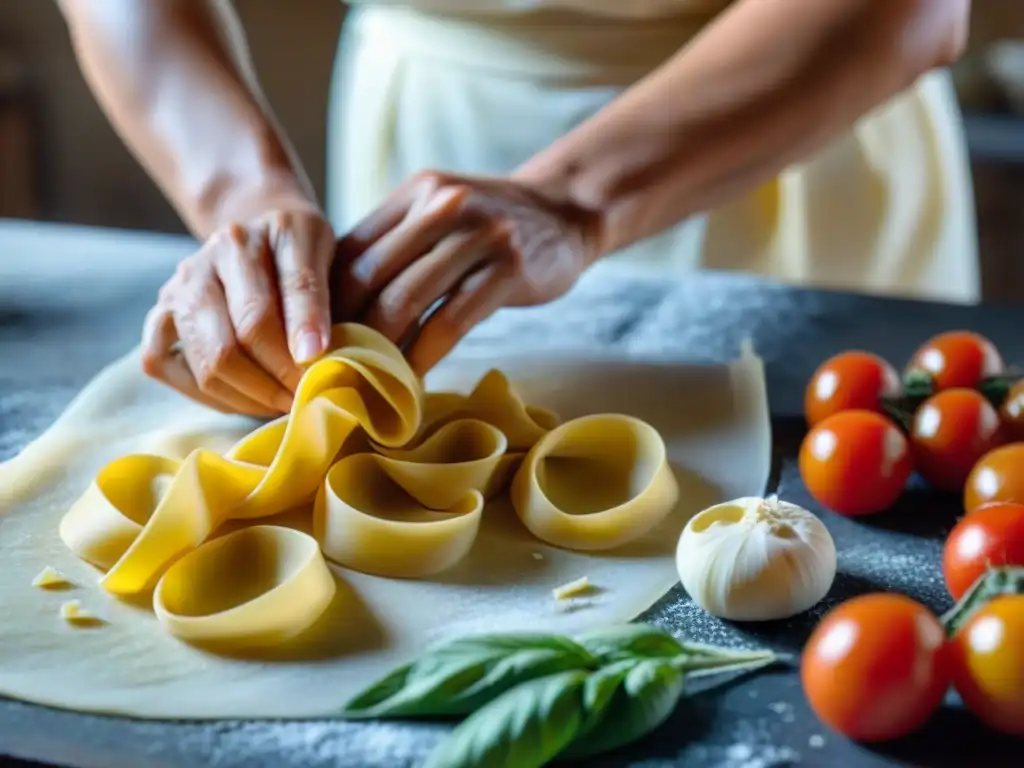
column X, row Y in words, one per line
column 756, row 559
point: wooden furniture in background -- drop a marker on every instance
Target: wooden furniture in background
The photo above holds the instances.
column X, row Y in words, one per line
column 997, row 158
column 19, row 171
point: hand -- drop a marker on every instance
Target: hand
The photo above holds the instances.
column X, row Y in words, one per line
column 233, row 325
column 468, row 245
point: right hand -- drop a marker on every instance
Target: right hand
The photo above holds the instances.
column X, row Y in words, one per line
column 234, row 325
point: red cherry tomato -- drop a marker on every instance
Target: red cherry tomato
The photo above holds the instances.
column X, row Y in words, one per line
column 1012, row 412
column 957, row 359
column 987, row 661
column 998, row 476
column 855, row 462
column 876, row 667
column 992, row 535
column 951, row 431
column 849, row 381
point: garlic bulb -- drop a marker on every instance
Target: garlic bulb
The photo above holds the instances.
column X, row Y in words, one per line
column 756, row 559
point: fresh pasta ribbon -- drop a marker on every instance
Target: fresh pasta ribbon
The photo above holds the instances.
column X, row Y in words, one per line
column 397, row 480
column 256, row 587
column 595, row 483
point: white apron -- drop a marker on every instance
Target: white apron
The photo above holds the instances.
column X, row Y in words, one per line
column 885, row 209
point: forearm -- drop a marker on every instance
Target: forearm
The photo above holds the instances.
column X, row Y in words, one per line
column 768, row 83
column 176, row 81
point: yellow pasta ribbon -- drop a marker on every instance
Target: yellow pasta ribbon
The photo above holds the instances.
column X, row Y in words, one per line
column 397, row 480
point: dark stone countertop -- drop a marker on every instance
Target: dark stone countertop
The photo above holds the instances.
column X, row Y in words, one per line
column 62, row 318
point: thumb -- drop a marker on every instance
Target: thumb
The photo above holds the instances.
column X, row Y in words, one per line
column 303, row 249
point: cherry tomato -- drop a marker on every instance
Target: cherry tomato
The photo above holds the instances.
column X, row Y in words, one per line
column 1012, row 411
column 987, row 662
column 957, row 359
column 951, row 431
column 998, row 476
column 855, row 462
column 876, row 667
column 849, row 381
column 992, row 535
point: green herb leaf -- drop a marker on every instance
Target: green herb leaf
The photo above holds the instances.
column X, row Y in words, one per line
column 525, row 728
column 704, row 659
column 630, row 641
column 1007, row 580
column 628, row 703
column 460, row 676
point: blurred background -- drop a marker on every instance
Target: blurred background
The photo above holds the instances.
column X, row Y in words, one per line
column 60, row 161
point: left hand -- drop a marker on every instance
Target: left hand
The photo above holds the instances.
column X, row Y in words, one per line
column 472, row 244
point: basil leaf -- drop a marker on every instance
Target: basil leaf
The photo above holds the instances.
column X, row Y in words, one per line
column 461, row 676
column 494, row 647
column 1005, row 580
column 644, row 698
column 631, row 641
column 599, row 692
column 525, row 728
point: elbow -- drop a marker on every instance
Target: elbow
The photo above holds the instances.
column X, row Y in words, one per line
column 922, row 35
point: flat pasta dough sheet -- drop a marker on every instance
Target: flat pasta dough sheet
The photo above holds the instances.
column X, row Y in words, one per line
column 712, row 418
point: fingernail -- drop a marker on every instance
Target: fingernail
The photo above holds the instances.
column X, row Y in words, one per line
column 307, row 347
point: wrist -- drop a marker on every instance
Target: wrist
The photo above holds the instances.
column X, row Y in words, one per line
column 245, row 199
column 559, row 185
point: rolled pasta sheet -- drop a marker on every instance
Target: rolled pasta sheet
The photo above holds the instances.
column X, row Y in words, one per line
column 595, row 483
column 256, row 587
column 366, row 521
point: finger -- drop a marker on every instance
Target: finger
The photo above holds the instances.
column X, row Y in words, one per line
column 253, row 302
column 219, row 364
column 398, row 308
column 477, row 298
column 302, row 255
column 388, row 215
column 375, row 225
column 161, row 362
column 421, row 229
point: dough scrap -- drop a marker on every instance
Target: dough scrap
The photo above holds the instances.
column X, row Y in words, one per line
column 372, row 623
column 50, row 578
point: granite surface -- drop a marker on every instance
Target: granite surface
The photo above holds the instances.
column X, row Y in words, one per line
column 72, row 300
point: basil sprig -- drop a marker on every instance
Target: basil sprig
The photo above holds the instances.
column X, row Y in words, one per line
column 533, row 697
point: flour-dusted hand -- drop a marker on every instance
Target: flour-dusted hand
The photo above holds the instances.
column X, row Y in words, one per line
column 458, row 248
column 233, row 325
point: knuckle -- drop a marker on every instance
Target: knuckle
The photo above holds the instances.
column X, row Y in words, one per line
column 392, row 306
column 184, row 271
column 282, row 220
column 448, row 326
column 498, row 233
column 166, row 294
column 236, row 236
column 214, row 363
column 152, row 364
column 429, row 181
column 302, row 279
column 254, row 317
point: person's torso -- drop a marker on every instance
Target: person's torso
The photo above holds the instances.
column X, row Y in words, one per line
column 479, row 87
column 620, row 9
